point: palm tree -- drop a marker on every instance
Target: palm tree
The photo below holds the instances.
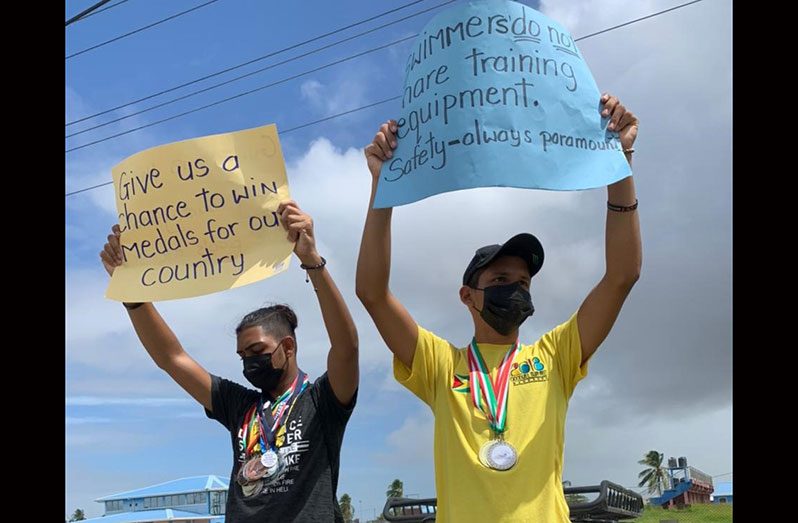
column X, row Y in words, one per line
column 346, row 508
column 652, row 477
column 396, row 489
column 78, row 515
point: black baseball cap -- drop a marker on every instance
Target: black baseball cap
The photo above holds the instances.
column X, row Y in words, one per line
column 523, row 245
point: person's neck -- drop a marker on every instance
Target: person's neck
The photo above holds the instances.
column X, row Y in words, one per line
column 486, row 334
column 285, row 382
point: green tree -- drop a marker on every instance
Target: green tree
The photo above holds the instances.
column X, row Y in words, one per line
column 346, row 508
column 653, row 476
column 78, row 515
column 573, row 499
column 396, row 489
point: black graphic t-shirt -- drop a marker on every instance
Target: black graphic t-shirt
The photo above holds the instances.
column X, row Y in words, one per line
column 310, row 443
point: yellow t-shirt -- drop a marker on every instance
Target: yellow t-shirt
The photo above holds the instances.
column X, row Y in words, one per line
column 542, row 379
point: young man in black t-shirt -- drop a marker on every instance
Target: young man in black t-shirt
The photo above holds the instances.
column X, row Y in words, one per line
column 287, row 435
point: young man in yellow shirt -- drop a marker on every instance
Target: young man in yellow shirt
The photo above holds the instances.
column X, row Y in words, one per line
column 500, row 405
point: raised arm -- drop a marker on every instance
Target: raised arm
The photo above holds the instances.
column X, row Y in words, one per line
column 623, row 250
column 342, row 360
column 396, row 326
column 158, row 339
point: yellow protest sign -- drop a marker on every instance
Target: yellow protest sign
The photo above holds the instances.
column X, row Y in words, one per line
column 199, row 216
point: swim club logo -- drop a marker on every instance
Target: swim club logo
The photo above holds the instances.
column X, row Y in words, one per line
column 530, row 370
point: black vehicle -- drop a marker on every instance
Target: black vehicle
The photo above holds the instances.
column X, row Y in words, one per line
column 613, row 504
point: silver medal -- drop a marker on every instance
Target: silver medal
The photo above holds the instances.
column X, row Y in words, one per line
column 498, row 455
column 275, row 473
column 269, row 459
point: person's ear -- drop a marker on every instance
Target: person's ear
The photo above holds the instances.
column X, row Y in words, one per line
column 467, row 296
column 289, row 346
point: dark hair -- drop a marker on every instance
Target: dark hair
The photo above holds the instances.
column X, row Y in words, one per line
column 275, row 320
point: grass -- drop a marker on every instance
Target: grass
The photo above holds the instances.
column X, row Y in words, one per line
column 699, row 513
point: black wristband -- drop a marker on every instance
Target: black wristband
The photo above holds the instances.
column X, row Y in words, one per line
column 131, row 306
column 313, row 267
column 620, row 208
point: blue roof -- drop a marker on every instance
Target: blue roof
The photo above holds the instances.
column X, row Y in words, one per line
column 153, row 515
column 177, row 486
column 723, row 489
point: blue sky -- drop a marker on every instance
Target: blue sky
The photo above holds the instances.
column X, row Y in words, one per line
column 664, row 370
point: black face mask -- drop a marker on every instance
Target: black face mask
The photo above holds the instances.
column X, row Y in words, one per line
column 506, row 307
column 260, row 372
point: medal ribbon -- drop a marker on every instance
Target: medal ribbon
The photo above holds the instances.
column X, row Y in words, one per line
column 264, row 423
column 270, row 420
column 490, row 397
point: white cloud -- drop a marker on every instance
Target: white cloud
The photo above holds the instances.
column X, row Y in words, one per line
column 346, row 92
column 191, row 414
column 583, row 17
column 410, row 445
column 312, row 91
column 594, row 452
column 668, row 354
column 95, row 401
column 71, row 420
column 110, row 440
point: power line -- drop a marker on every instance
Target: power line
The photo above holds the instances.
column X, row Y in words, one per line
column 636, row 20
column 288, row 60
column 98, row 11
column 306, row 72
column 89, row 188
column 140, row 29
column 384, row 101
column 239, row 95
column 282, row 132
column 393, row 98
column 306, row 42
column 86, row 12
column 273, row 53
